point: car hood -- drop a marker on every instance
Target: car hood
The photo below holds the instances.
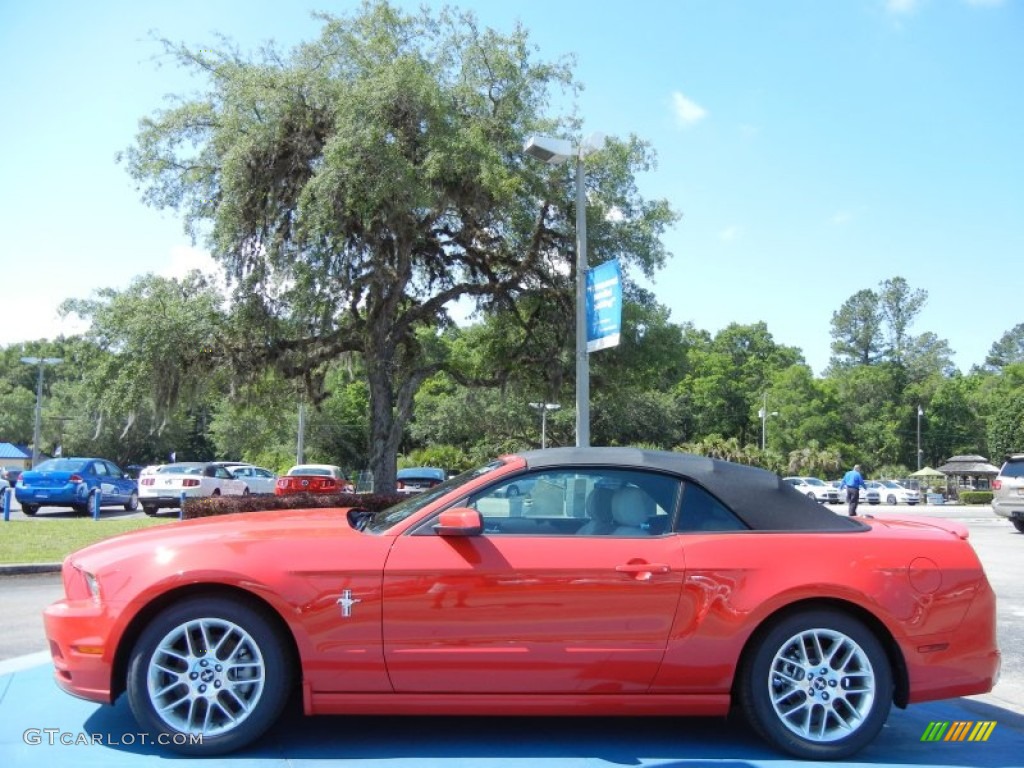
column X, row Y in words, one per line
column 236, row 542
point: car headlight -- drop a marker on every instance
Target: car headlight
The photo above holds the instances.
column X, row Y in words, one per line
column 86, row 580
column 93, row 584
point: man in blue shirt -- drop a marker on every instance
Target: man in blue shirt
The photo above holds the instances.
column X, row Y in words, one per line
column 853, row 481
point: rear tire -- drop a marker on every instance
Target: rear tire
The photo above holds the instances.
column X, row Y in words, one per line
column 133, row 502
column 817, row 685
column 890, row 500
column 149, row 509
column 30, row 509
column 1018, row 524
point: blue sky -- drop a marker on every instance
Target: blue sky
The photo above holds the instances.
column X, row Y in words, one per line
column 814, row 148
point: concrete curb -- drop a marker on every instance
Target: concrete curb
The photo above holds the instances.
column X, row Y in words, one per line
column 23, row 569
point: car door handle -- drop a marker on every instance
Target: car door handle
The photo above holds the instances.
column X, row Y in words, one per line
column 643, row 569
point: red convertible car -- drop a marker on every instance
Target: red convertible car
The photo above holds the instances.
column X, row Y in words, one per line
column 624, row 582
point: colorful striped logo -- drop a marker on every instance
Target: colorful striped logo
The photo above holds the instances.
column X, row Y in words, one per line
column 962, row 730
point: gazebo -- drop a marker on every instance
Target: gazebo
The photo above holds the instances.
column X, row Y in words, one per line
column 968, row 473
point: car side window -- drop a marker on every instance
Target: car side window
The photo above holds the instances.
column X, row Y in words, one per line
column 263, row 473
column 579, row 502
column 97, row 468
column 221, row 473
column 701, row 511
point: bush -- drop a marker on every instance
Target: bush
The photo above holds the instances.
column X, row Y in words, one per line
column 227, row 505
column 975, row 497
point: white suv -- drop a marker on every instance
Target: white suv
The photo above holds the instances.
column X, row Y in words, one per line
column 1008, row 491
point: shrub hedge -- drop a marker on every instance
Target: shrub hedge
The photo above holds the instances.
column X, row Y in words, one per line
column 975, row 497
column 227, row 505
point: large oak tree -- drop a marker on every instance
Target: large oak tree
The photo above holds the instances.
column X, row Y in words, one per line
column 359, row 185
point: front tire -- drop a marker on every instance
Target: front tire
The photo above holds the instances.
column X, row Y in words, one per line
column 817, row 685
column 212, row 666
column 890, row 500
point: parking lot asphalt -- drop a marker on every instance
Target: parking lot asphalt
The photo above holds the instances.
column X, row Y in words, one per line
column 38, row 722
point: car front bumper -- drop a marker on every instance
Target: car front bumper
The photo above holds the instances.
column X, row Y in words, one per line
column 82, row 660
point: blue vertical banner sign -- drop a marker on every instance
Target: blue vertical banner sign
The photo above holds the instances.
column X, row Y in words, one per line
column 604, row 306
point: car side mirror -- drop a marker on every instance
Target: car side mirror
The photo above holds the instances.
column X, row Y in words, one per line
column 459, row 521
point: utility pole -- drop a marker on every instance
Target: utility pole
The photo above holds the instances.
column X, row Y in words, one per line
column 37, row 428
column 300, row 448
column 920, row 413
column 763, row 413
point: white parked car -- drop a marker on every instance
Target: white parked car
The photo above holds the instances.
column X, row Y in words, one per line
column 867, row 495
column 256, row 479
column 195, row 479
column 891, row 492
column 814, row 488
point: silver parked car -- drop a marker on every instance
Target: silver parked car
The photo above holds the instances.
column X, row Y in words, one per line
column 816, row 489
column 1008, row 491
column 892, row 492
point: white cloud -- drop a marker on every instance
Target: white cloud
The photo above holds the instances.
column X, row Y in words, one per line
column 687, row 112
column 32, row 316
column 185, row 258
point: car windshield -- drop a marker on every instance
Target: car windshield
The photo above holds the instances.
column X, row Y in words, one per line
column 891, row 484
column 813, row 481
column 61, row 465
column 386, row 518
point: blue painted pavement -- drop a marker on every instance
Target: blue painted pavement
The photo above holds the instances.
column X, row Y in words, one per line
column 41, row 725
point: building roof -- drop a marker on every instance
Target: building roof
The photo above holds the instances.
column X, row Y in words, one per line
column 12, row 451
column 968, row 465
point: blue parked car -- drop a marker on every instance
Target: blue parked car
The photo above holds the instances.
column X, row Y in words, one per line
column 74, row 483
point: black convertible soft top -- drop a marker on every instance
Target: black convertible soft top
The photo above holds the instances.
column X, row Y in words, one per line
column 758, row 497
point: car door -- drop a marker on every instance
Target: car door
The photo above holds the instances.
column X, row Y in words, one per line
column 244, row 474
column 121, row 485
column 229, row 486
column 529, row 605
column 265, row 480
column 97, row 478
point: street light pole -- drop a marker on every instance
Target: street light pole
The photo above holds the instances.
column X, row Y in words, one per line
column 763, row 413
column 544, row 408
column 582, row 356
column 920, row 413
column 554, row 152
column 37, row 428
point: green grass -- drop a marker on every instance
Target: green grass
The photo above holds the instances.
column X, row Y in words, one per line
column 49, row 541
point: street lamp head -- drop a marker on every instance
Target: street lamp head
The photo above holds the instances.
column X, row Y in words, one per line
column 548, row 150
